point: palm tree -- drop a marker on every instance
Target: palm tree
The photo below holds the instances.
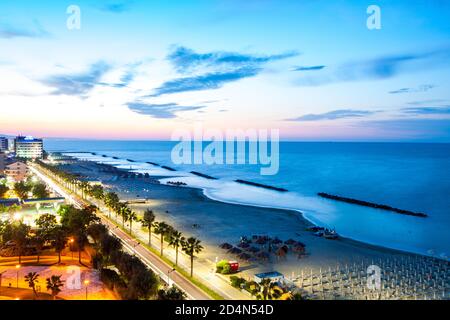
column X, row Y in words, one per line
column 132, row 216
column 32, row 279
column 192, row 246
column 268, row 289
column 54, row 284
column 161, row 228
column 124, row 211
column 147, row 221
column 83, row 186
column 176, row 241
column 59, row 239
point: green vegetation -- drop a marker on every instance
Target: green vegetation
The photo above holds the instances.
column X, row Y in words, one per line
column 133, row 280
column 223, row 267
column 173, row 293
column 147, row 222
column 3, row 190
column 54, row 285
column 22, row 189
column 40, row 191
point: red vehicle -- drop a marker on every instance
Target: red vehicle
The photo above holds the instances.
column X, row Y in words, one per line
column 234, row 265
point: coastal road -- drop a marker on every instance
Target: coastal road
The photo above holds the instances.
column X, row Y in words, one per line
column 154, row 262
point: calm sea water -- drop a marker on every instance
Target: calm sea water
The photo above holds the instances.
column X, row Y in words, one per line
column 409, row 176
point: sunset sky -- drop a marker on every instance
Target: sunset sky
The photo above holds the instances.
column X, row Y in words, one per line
column 311, row 68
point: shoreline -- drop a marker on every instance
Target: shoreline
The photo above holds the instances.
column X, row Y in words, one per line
column 302, row 213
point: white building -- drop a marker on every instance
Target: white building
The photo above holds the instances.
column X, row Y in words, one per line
column 29, row 148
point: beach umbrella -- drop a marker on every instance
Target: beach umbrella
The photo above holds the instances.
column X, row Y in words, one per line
column 226, row 245
column 244, row 256
column 262, row 255
column 243, row 245
column 235, row 250
column 261, row 240
column 276, row 241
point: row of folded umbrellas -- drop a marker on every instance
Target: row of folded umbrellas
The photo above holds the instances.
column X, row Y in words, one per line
column 245, row 244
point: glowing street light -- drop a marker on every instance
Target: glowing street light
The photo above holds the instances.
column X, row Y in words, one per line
column 17, row 278
column 71, row 246
column 86, row 283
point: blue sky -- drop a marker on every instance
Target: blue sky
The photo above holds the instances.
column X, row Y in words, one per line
column 311, row 68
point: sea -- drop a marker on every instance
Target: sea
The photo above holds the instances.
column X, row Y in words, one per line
column 410, row 176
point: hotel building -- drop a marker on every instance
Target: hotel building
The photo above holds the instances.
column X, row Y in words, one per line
column 16, row 171
column 3, row 144
column 29, row 148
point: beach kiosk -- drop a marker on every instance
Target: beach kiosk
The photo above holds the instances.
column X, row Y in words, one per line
column 274, row 276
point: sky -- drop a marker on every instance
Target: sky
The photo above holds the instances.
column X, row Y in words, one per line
column 142, row 69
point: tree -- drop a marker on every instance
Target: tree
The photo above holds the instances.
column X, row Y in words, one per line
column 147, row 221
column 76, row 221
column 20, row 235
column 96, row 191
column 38, row 241
column 268, row 289
column 162, row 229
column 173, row 293
column 3, row 190
column 54, row 285
column 22, row 189
column 46, row 223
column 32, row 279
column 176, row 241
column 59, row 240
column 40, row 191
column 111, row 200
column 192, row 246
column 132, row 217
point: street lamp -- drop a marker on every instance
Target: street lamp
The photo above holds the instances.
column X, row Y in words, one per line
column 86, row 283
column 17, row 279
column 168, row 275
column 71, row 246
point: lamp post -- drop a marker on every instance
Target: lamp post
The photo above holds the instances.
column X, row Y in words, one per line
column 17, row 278
column 168, row 276
column 71, row 247
column 86, row 283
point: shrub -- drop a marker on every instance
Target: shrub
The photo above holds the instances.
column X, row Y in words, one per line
column 237, row 281
column 220, row 265
column 226, row 269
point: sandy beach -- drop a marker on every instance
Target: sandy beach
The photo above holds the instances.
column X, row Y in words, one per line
column 214, row 223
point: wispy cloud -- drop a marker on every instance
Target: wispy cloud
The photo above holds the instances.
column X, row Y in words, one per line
column 205, row 81
column 310, row 68
column 333, row 115
column 77, row 84
column 205, row 71
column 384, row 67
column 117, row 7
column 160, row 111
column 10, row 32
column 422, row 88
column 444, row 110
